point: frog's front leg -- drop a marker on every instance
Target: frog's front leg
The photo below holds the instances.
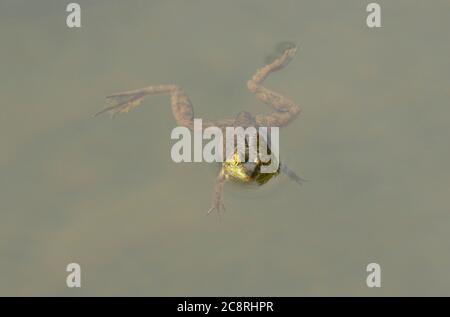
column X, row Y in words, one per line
column 182, row 108
column 285, row 109
column 217, row 196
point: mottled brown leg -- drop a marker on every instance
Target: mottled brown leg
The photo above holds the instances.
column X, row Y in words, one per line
column 217, row 196
column 181, row 105
column 285, row 109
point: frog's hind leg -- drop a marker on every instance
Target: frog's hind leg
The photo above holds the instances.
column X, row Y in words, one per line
column 182, row 108
column 285, row 109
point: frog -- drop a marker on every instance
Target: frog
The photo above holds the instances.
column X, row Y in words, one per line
column 284, row 111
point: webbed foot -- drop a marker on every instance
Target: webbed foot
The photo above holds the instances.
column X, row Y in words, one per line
column 284, row 52
column 124, row 103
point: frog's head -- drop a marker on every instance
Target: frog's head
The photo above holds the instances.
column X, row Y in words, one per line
column 247, row 172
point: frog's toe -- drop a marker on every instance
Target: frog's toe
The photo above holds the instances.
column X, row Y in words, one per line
column 218, row 207
column 288, row 55
column 124, row 104
column 281, row 47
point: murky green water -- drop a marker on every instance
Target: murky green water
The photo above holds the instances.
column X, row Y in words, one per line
column 372, row 139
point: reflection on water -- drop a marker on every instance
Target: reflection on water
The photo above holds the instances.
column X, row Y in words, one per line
column 372, row 138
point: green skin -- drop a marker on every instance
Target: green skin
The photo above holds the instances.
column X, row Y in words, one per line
column 284, row 112
column 247, row 171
